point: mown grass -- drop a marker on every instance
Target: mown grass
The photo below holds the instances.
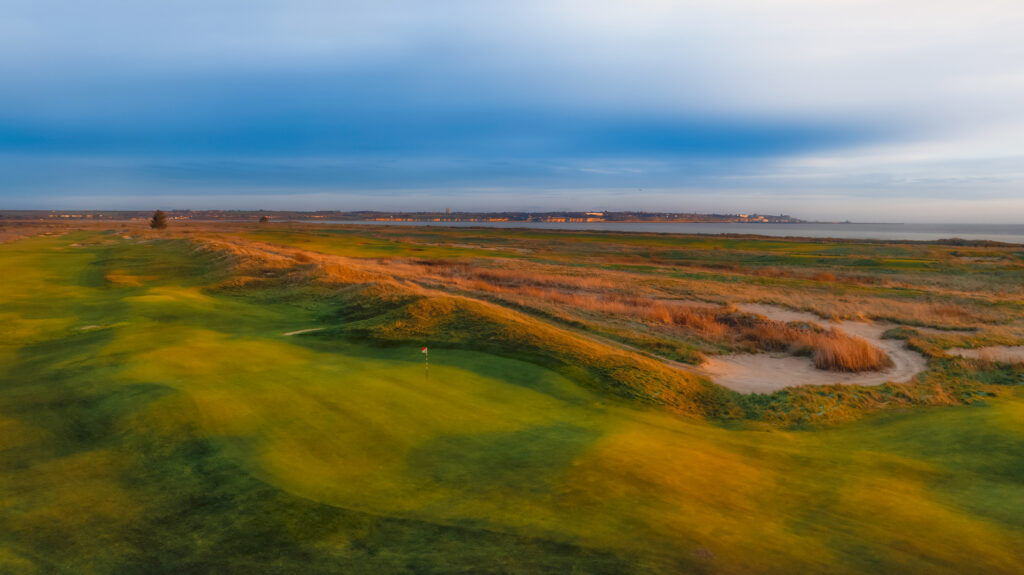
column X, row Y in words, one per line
column 185, row 433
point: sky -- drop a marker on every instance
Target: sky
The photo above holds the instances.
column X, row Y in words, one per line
column 905, row 111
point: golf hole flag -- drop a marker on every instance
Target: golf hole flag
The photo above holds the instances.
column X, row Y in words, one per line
column 424, row 350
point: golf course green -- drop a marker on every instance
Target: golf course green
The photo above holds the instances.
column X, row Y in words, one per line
column 158, row 415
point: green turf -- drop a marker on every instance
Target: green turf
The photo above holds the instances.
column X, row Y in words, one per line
column 151, row 424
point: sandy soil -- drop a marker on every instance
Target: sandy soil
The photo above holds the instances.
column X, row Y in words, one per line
column 1000, row 353
column 765, row 373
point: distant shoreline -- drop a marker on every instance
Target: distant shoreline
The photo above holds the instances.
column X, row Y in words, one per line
column 902, row 232
column 967, row 235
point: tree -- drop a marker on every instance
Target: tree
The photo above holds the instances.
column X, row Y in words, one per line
column 159, row 220
column 264, row 220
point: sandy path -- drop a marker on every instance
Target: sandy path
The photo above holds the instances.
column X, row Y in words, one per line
column 310, row 330
column 1000, row 353
column 765, row 373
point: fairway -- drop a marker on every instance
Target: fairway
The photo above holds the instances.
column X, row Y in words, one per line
column 172, row 405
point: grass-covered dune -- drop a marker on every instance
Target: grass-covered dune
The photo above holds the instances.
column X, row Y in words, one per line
column 155, row 418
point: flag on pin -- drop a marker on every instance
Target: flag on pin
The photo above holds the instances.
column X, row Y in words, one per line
column 424, row 350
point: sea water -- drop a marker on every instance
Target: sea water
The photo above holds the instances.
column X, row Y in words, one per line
column 1009, row 233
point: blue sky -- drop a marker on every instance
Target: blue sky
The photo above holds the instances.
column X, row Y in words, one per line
column 832, row 109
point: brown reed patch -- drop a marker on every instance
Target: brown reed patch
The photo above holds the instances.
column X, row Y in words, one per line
column 830, row 349
column 848, row 353
column 519, row 277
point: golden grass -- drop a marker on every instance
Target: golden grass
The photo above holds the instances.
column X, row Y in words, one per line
column 661, row 303
column 830, row 349
column 847, row 353
column 604, row 290
column 941, row 302
column 124, row 279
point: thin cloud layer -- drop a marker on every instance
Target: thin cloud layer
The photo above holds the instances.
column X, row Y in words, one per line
column 788, row 105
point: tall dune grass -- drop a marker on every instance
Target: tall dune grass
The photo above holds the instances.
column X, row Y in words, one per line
column 830, row 349
column 848, row 353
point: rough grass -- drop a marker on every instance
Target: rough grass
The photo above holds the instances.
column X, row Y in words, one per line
column 830, row 349
column 847, row 354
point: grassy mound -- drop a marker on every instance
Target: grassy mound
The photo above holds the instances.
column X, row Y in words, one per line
column 389, row 314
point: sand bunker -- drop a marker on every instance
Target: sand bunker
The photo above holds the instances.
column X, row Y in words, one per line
column 765, row 373
column 1000, row 353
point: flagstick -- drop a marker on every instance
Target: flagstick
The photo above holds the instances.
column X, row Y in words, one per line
column 426, row 364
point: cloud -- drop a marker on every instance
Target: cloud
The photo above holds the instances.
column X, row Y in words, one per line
column 796, row 96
